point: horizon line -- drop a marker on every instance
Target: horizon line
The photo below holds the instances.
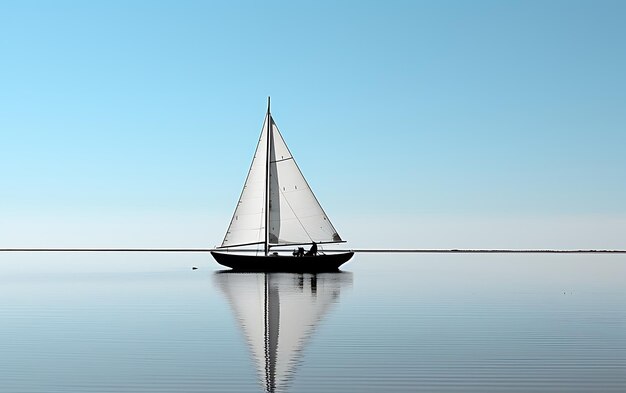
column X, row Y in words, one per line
column 355, row 250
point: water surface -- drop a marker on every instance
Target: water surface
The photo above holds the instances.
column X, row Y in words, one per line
column 400, row 323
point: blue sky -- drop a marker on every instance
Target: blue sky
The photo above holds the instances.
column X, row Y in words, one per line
column 417, row 124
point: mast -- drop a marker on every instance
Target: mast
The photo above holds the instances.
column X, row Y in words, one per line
column 267, row 180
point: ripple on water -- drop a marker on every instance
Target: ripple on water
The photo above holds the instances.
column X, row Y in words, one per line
column 483, row 324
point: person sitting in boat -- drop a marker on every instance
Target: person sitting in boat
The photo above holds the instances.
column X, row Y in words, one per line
column 299, row 252
column 313, row 250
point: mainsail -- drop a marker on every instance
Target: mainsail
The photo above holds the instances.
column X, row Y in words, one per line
column 295, row 215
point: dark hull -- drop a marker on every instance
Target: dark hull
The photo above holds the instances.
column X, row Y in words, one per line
column 306, row 264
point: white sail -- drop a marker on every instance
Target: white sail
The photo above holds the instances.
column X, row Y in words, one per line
column 295, row 216
column 301, row 218
column 248, row 223
column 278, row 313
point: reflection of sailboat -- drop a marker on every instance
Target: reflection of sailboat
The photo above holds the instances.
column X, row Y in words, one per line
column 277, row 208
column 278, row 312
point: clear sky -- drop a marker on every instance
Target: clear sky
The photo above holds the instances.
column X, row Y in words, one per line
column 417, row 123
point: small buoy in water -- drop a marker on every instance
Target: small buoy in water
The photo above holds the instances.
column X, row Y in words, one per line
column 194, row 268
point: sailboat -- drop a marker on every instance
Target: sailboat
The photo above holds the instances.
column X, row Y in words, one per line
column 278, row 314
column 276, row 209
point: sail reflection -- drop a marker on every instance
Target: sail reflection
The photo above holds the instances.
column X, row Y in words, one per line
column 278, row 312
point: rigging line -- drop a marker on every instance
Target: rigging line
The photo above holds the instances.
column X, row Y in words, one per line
column 281, row 160
column 240, row 245
column 307, row 216
column 307, row 243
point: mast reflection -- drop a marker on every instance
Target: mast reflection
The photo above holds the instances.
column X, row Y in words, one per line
column 278, row 312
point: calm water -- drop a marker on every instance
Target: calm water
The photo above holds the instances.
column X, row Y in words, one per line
column 447, row 323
